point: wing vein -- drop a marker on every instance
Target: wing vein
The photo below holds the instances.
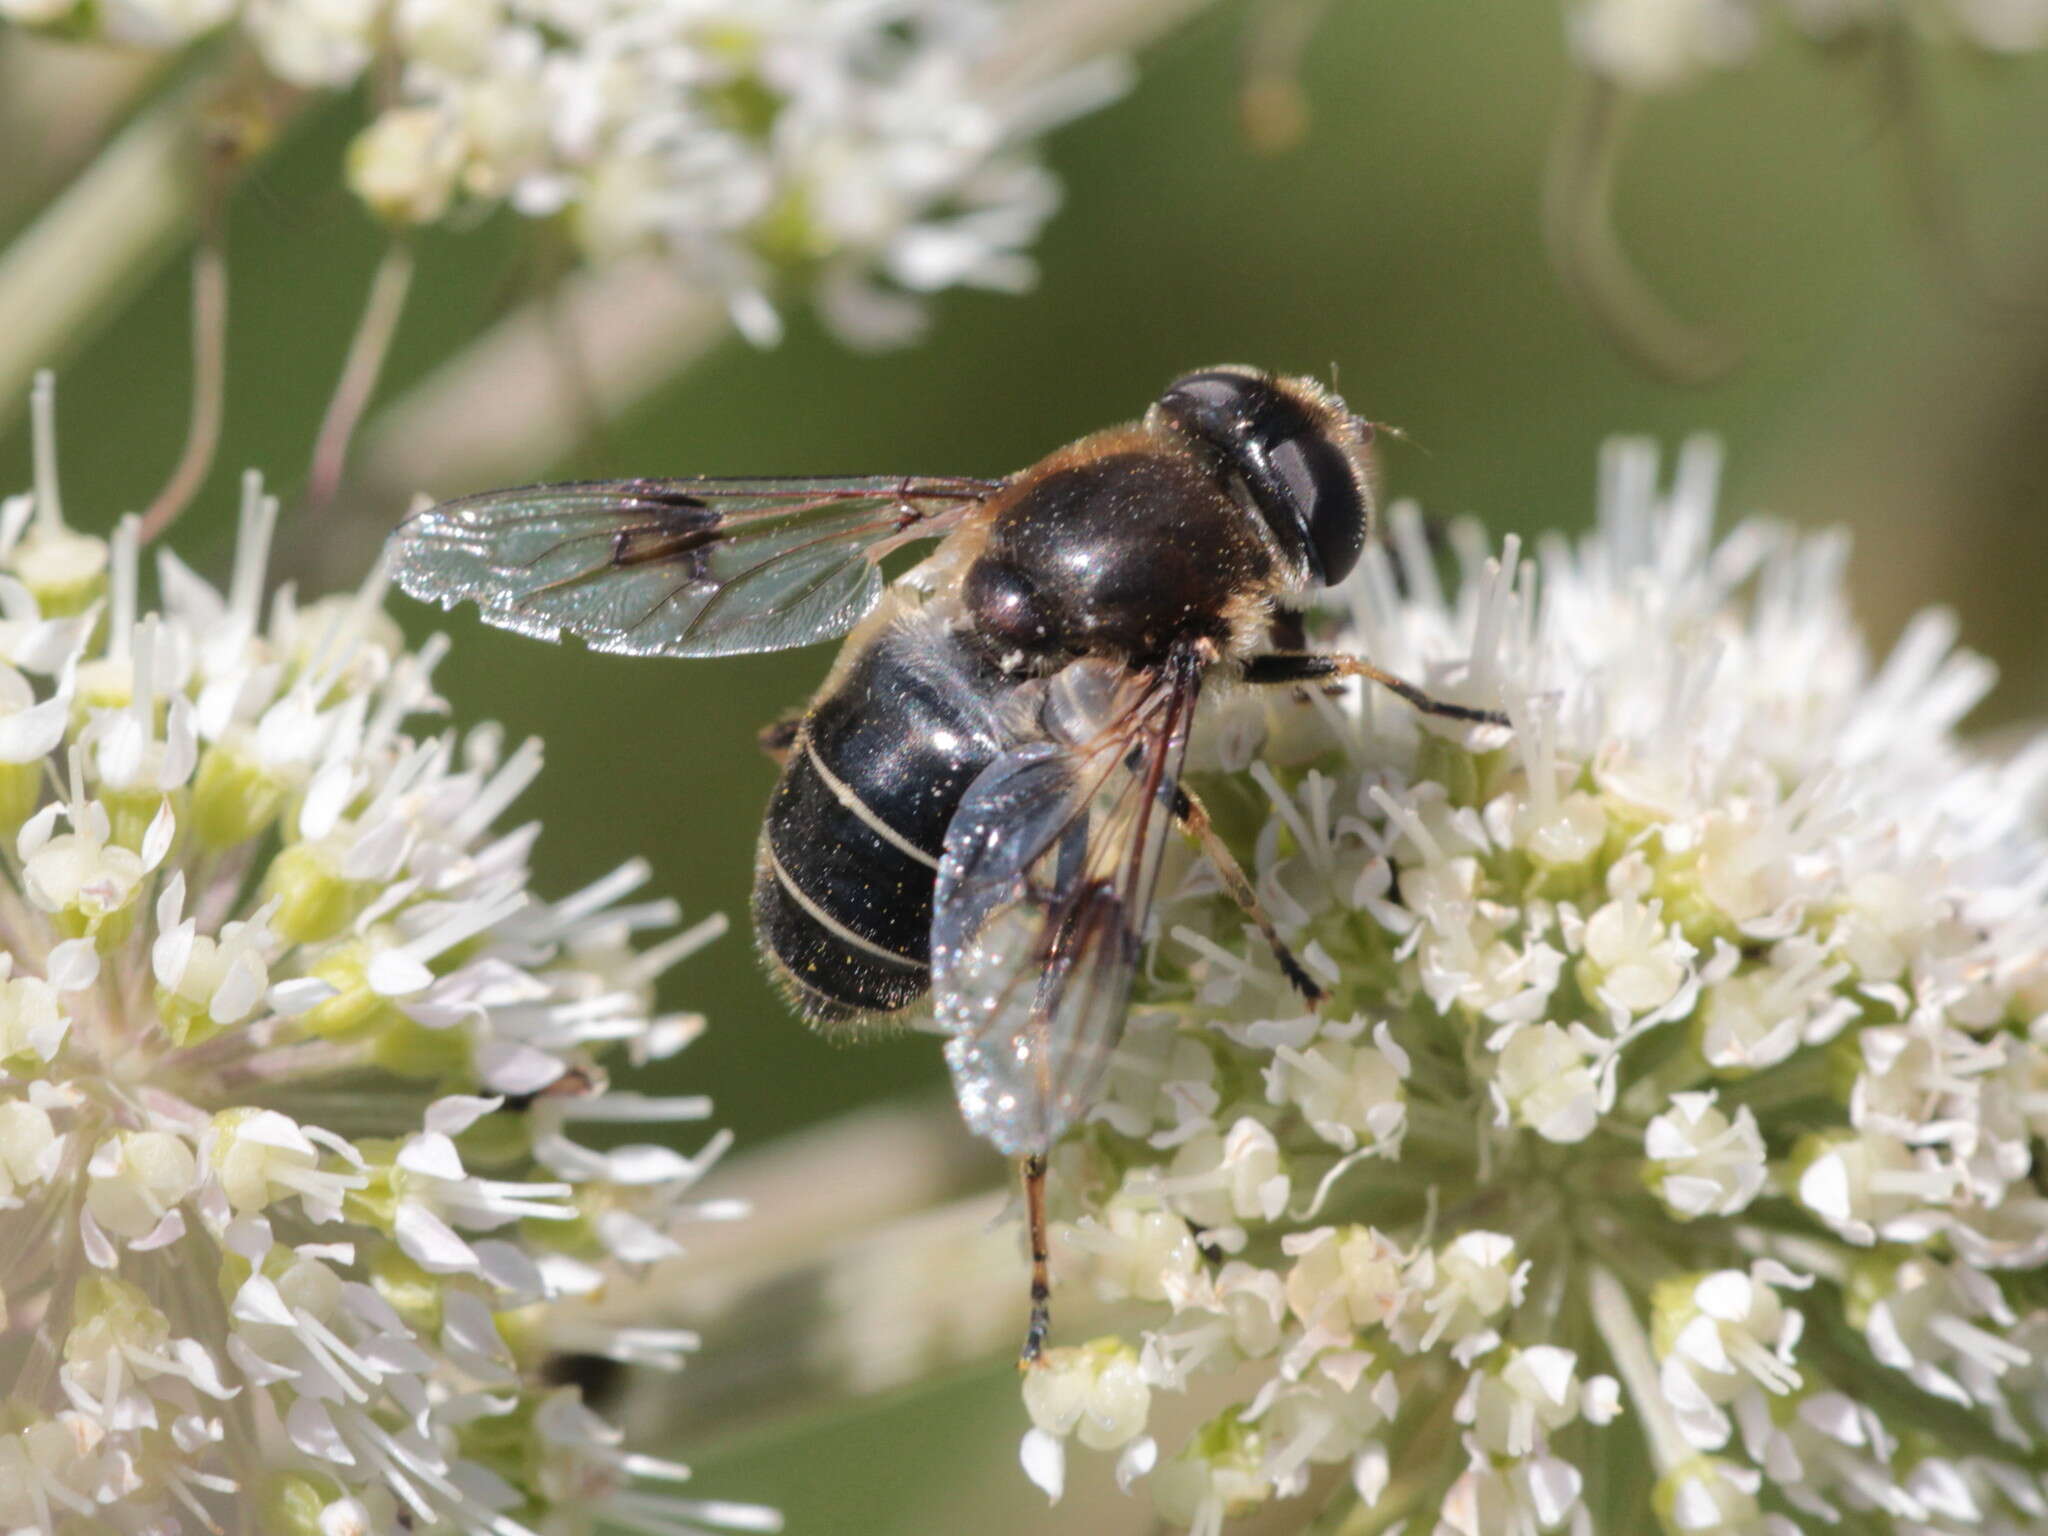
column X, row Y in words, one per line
column 676, row 567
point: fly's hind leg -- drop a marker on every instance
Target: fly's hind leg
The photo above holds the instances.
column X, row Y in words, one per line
column 1194, row 819
column 1041, row 1256
column 1283, row 667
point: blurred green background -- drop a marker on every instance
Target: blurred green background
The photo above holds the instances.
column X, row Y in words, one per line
column 1398, row 245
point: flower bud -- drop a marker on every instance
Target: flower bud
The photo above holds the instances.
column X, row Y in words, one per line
column 1093, row 1391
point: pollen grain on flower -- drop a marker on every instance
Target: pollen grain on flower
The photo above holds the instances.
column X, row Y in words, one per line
column 292, row 1061
column 1665, row 1156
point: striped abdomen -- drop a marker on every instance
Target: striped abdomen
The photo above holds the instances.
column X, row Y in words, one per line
column 850, row 846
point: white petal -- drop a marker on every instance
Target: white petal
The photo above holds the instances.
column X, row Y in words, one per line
column 1552, row 1369
column 73, row 965
column 168, row 1229
column 562, row 1275
column 378, row 852
column 466, row 1324
column 1824, row 1188
column 294, row 997
column 172, row 951
column 1045, row 1462
column 239, row 991
column 17, row 604
column 38, row 830
column 1553, row 1488
column 511, row 1067
column 1371, row 1471
column 258, row 1301
column 326, row 798
column 181, row 746
column 430, row 1242
column 340, row 1146
column 28, row 734
column 644, row 1164
column 431, row 1153
column 313, row 1432
column 512, row 1270
column 99, row 1248
column 632, row 1240
column 457, row 1112
column 45, row 647
column 122, row 742
column 249, row 1236
column 1139, row 1457
column 395, row 973
column 170, row 903
column 201, row 1369
column 156, row 842
column 1726, row 1295
column 1601, row 1401
column 270, row 1128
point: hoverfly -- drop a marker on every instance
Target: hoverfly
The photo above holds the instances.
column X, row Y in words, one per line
column 976, row 802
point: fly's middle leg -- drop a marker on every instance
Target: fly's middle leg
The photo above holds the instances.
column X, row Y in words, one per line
column 1194, row 819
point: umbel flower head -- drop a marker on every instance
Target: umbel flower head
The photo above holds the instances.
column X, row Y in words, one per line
column 867, row 153
column 292, row 1064
column 1666, row 1157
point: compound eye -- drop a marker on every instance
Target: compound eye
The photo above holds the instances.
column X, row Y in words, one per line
column 1215, row 406
column 1318, row 482
column 1302, row 481
column 1006, row 607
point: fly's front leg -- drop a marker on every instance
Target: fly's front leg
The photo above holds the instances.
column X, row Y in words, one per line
column 1194, row 820
column 1282, row 667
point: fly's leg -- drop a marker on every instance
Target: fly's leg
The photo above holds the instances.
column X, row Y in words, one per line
column 1282, row 667
column 778, row 740
column 1041, row 1276
column 1194, row 820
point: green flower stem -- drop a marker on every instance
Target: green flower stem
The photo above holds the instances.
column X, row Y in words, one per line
column 1578, row 228
column 1808, row 1075
column 112, row 225
column 1614, row 1315
column 366, row 353
column 209, row 374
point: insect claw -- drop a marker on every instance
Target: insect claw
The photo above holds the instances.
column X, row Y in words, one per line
column 1312, row 991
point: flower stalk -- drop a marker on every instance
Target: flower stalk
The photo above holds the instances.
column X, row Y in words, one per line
column 209, row 375
column 360, row 371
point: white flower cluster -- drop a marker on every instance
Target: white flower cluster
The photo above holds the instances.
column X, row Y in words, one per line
column 1667, row 1153
column 291, row 1212
column 870, row 151
column 1659, row 45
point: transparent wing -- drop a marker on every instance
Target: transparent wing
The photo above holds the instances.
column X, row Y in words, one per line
column 675, row 567
column 1043, row 893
